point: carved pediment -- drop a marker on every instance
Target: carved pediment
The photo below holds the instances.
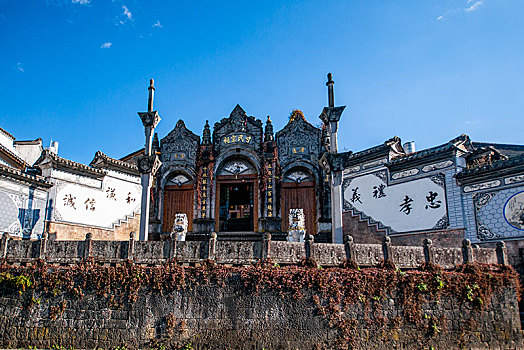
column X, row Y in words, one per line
column 298, row 138
column 179, row 146
column 238, row 130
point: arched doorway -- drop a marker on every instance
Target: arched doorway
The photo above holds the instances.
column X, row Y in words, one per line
column 298, row 191
column 178, row 198
column 236, row 202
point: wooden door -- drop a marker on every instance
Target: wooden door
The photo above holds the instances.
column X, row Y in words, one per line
column 296, row 196
column 178, row 199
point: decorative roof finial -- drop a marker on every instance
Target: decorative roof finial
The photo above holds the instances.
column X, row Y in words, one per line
column 331, row 97
column 268, row 132
column 206, row 135
column 156, row 144
column 151, row 89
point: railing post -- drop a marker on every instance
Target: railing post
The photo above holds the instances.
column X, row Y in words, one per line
column 429, row 254
column 467, row 252
column 308, row 243
column 43, row 246
column 87, row 245
column 386, row 249
column 212, row 246
column 172, row 245
column 3, row 245
column 502, row 253
column 131, row 246
column 349, row 247
column 266, row 246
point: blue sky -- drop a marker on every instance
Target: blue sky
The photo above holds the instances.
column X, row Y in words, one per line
column 77, row 71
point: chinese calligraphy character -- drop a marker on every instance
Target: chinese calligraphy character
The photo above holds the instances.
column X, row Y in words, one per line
column 269, row 207
column 248, row 139
column 405, row 206
column 294, row 150
column 233, row 138
column 90, row 204
column 226, row 139
column 301, row 149
column 356, row 196
column 432, row 203
column 110, row 193
column 204, row 181
column 69, row 201
column 240, row 138
column 129, row 199
column 378, row 191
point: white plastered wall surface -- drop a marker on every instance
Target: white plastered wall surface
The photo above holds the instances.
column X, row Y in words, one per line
column 102, row 203
column 410, row 206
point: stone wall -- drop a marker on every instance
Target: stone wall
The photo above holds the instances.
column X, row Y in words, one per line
column 64, row 231
column 232, row 317
column 247, row 253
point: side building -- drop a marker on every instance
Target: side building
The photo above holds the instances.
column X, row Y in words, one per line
column 460, row 189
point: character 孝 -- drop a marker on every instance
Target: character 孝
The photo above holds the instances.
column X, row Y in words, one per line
column 405, row 206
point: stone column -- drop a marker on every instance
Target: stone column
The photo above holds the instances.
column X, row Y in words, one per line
column 331, row 116
column 148, row 163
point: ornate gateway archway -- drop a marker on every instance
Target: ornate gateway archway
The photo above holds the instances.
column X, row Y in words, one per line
column 178, row 198
column 236, row 200
column 298, row 191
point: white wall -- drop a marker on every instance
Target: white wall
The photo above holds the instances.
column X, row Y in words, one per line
column 83, row 201
column 388, row 209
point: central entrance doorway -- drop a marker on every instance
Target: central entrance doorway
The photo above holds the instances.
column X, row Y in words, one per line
column 236, row 207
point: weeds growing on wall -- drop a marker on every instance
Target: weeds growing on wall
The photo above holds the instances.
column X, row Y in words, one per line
column 333, row 291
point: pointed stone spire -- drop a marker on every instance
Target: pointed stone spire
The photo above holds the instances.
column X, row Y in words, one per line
column 206, row 135
column 151, row 89
column 268, row 131
column 331, row 95
column 156, row 144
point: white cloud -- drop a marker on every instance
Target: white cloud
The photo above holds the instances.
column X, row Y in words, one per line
column 440, row 18
column 474, row 6
column 81, row 2
column 19, row 67
column 106, row 45
column 127, row 12
column 157, row 25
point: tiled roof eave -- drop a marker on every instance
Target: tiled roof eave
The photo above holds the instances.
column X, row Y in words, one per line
column 497, row 169
column 102, row 160
column 13, row 156
column 19, row 175
column 422, row 157
column 69, row 165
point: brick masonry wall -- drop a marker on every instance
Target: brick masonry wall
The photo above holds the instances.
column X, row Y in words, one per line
column 63, row 231
column 228, row 317
column 363, row 233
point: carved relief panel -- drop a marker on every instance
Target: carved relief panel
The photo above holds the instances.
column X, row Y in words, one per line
column 179, row 146
column 238, row 131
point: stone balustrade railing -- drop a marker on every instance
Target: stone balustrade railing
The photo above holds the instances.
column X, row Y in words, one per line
column 245, row 253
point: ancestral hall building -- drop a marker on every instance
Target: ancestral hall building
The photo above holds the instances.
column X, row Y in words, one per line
column 241, row 178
